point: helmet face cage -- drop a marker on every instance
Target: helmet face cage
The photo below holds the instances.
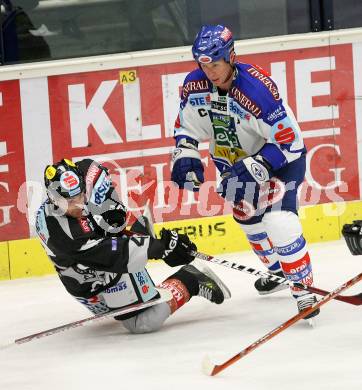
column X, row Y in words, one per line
column 63, row 180
column 213, row 43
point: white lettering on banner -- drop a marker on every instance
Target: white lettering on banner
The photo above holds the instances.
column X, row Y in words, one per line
column 205, row 208
column 37, row 136
column 83, row 115
column 160, row 186
column 357, row 72
column 6, row 215
column 133, row 115
column 1, row 98
column 306, row 89
column 171, row 84
column 279, row 75
column 336, row 171
column 3, row 167
column 31, row 194
column 128, row 183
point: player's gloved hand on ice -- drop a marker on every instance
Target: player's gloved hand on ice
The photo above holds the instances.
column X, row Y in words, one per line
column 187, row 170
column 173, row 248
column 352, row 233
column 240, row 180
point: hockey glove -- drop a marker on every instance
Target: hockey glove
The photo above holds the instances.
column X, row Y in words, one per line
column 173, row 248
column 187, row 171
column 110, row 215
column 241, row 179
column 352, row 233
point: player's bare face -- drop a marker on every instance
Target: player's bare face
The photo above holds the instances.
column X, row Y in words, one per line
column 219, row 73
column 74, row 206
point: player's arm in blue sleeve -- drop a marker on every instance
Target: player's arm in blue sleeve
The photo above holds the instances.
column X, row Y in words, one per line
column 283, row 134
column 284, row 144
column 191, row 127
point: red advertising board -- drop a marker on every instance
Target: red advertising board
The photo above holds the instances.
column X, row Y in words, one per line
column 13, row 222
column 125, row 118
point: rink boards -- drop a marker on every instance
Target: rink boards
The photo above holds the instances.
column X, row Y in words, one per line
column 213, row 235
column 120, row 110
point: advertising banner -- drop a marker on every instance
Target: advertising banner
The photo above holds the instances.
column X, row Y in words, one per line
column 125, row 118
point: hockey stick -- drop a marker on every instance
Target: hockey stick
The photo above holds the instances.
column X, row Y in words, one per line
column 351, row 299
column 165, row 296
column 212, row 369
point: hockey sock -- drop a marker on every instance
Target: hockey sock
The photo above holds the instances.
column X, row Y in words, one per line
column 263, row 248
column 296, row 264
column 182, row 286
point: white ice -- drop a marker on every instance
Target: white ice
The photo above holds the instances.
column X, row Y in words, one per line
column 104, row 356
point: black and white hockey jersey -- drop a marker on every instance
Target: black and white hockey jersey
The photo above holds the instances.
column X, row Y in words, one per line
column 87, row 258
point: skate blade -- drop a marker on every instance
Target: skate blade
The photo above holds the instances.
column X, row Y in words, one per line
column 206, row 270
column 207, row 366
column 276, row 289
column 311, row 322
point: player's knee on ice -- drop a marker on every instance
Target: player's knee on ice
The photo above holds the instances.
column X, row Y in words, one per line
column 151, row 320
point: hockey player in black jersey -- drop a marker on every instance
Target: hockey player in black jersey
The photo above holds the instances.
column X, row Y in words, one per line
column 352, row 233
column 82, row 227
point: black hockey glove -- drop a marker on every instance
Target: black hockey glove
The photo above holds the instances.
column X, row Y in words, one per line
column 352, row 233
column 173, row 248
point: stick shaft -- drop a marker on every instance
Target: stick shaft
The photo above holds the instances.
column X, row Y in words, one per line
column 353, row 299
column 220, row 367
column 165, row 296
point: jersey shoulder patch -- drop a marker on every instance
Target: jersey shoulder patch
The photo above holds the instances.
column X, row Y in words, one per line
column 260, row 79
column 195, row 82
column 255, row 91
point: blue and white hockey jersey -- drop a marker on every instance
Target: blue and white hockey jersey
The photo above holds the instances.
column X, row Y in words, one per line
column 249, row 119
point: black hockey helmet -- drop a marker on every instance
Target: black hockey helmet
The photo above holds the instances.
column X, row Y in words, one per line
column 63, row 179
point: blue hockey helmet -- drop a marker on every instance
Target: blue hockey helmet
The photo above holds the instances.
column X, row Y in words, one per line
column 213, row 43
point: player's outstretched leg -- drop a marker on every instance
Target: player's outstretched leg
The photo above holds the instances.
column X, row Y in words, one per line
column 285, row 230
column 195, row 279
column 263, row 248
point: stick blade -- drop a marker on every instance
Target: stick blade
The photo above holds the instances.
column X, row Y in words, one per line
column 6, row 346
column 207, row 366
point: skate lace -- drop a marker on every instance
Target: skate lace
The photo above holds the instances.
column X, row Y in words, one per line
column 305, row 303
column 264, row 281
column 205, row 292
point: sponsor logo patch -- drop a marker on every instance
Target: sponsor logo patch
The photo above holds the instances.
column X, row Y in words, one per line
column 271, row 192
column 276, row 114
column 246, row 102
column 84, row 225
column 69, row 180
column 283, row 132
column 226, row 34
column 243, row 211
column 204, row 59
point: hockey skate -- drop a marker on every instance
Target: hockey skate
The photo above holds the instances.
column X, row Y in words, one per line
column 306, row 301
column 266, row 286
column 210, row 285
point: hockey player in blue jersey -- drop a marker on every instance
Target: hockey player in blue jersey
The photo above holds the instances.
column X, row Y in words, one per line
column 256, row 145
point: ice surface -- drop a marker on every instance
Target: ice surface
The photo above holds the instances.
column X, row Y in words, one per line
column 104, row 356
